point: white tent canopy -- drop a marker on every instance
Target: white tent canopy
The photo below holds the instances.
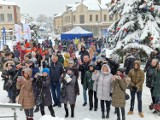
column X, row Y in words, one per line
column 77, row 30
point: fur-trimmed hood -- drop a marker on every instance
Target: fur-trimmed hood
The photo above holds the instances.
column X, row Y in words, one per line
column 109, row 70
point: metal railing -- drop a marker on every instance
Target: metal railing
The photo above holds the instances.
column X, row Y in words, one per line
column 11, row 106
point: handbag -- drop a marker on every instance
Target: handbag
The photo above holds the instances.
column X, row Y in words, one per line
column 127, row 97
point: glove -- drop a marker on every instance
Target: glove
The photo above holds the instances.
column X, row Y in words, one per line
column 134, row 88
column 110, row 94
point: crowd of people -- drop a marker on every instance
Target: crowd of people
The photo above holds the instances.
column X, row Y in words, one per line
column 37, row 75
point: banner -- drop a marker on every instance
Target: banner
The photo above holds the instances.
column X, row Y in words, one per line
column 26, row 32
column 18, row 31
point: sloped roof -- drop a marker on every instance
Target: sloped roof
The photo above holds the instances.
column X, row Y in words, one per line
column 92, row 5
column 7, row 3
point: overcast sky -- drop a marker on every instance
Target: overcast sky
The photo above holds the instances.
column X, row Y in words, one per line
column 47, row 7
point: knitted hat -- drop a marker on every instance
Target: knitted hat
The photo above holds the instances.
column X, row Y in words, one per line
column 46, row 70
column 121, row 70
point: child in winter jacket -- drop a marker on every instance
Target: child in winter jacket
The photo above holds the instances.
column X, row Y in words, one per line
column 26, row 96
column 88, row 84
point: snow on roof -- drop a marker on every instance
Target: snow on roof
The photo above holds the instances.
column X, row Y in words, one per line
column 105, row 1
column 7, row 3
column 59, row 15
column 92, row 5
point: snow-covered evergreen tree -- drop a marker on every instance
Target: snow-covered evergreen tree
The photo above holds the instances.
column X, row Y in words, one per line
column 139, row 23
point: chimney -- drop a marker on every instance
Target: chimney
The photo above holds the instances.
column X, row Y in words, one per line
column 99, row 1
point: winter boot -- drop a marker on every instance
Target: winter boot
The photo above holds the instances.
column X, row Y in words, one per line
column 103, row 115
column 37, row 109
column 107, row 116
column 130, row 112
column 95, row 109
column 72, row 114
column 115, row 112
column 118, row 113
column 123, row 113
column 72, row 111
column 52, row 114
column 151, row 107
column 66, row 113
column 90, row 108
column 141, row 115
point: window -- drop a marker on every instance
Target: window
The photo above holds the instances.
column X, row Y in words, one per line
column 1, row 17
column 97, row 18
column 9, row 7
column 110, row 18
column 81, row 19
column 9, row 16
column 105, row 17
column 90, row 17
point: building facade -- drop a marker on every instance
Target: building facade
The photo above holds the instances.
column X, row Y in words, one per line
column 9, row 15
column 91, row 15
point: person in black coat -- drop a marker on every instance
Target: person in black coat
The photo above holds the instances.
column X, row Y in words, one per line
column 128, row 64
column 56, row 70
column 83, row 68
column 44, row 96
column 83, row 52
column 148, row 64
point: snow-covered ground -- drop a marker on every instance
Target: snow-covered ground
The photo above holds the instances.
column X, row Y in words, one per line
column 81, row 113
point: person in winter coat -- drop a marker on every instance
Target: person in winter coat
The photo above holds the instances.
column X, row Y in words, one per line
column 73, row 56
column 83, row 68
column 43, row 84
column 92, row 49
column 26, row 96
column 156, row 90
column 148, row 64
column 10, row 81
column 136, row 86
column 128, row 64
column 118, row 95
column 35, row 70
column 60, row 57
column 103, row 83
column 149, row 78
column 83, row 52
column 68, row 94
column 76, row 73
column 56, row 71
column 66, row 60
column 71, row 50
column 88, row 84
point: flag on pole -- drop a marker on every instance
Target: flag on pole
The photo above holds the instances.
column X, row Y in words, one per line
column 18, row 30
